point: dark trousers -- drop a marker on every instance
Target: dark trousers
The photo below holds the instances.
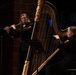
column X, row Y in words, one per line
column 22, row 56
column 21, row 62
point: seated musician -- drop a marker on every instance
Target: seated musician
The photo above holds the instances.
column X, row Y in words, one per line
column 68, row 57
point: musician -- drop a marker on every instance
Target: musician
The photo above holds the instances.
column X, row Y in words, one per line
column 68, row 51
column 23, row 30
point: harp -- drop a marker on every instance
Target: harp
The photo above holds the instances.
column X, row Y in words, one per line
column 44, row 34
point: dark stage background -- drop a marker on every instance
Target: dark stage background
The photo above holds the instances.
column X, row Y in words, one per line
column 67, row 12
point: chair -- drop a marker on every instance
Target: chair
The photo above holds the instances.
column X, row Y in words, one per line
column 71, row 71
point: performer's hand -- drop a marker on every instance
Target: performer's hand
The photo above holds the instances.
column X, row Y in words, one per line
column 13, row 26
column 56, row 36
column 7, row 29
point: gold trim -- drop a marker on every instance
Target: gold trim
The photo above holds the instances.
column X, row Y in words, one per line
column 52, row 11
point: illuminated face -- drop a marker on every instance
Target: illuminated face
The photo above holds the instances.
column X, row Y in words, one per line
column 24, row 19
column 69, row 32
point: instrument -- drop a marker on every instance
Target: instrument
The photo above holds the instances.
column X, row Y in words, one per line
column 43, row 32
column 45, row 62
column 7, row 28
column 37, row 16
column 10, row 26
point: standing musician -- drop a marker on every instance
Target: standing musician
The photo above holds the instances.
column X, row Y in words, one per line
column 22, row 30
column 68, row 54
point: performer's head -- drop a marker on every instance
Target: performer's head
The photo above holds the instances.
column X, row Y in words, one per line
column 24, row 18
column 71, row 31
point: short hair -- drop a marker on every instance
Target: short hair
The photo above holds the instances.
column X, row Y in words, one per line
column 73, row 29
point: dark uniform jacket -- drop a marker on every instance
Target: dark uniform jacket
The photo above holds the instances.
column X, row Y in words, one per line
column 68, row 48
column 24, row 33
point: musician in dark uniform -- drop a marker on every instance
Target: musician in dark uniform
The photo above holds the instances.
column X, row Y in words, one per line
column 68, row 54
column 23, row 30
